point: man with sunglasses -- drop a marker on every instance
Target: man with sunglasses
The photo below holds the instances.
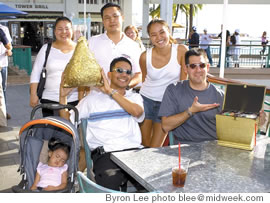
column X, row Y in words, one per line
column 189, row 107
column 113, row 114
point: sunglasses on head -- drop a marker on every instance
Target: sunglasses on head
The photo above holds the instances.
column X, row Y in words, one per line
column 121, row 70
column 194, row 65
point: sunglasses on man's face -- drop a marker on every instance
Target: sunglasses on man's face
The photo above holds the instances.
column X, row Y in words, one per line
column 121, row 70
column 194, row 65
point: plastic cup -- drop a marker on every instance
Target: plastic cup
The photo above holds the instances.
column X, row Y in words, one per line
column 179, row 175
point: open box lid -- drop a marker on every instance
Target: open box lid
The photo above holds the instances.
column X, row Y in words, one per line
column 244, row 98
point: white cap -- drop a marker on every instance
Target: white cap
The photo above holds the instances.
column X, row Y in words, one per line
column 237, row 30
column 205, row 29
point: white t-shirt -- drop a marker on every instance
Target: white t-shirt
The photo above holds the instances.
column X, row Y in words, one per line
column 50, row 175
column 105, row 51
column 157, row 79
column 3, row 56
column 109, row 125
column 205, row 40
column 235, row 50
column 56, row 64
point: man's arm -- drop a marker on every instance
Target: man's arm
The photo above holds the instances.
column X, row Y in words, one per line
column 170, row 122
column 130, row 107
column 6, row 42
column 9, row 49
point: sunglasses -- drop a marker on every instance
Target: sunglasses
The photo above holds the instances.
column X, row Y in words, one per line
column 121, row 70
column 194, row 65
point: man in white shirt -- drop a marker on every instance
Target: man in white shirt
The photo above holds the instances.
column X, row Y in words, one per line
column 4, row 53
column 205, row 41
column 113, row 114
column 114, row 43
column 235, row 49
column 8, row 47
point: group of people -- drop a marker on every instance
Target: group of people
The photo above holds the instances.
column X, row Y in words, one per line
column 5, row 51
column 174, row 95
column 232, row 45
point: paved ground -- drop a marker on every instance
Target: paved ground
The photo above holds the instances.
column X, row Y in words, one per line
column 18, row 108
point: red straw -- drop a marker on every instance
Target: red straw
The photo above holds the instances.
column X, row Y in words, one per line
column 179, row 157
column 255, row 133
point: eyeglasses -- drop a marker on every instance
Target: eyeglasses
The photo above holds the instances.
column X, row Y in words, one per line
column 194, row 65
column 121, row 70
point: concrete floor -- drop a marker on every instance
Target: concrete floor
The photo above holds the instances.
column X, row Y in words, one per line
column 19, row 109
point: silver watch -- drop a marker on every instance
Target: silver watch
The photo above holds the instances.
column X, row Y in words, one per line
column 189, row 112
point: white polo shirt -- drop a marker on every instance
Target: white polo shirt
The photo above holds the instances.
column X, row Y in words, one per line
column 105, row 50
column 109, row 125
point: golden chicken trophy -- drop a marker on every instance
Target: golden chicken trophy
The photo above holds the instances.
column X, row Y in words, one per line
column 82, row 69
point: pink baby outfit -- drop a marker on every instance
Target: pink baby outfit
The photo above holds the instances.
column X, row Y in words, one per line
column 50, row 175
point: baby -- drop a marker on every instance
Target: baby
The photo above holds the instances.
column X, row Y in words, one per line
column 53, row 176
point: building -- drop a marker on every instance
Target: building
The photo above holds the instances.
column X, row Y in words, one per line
column 37, row 27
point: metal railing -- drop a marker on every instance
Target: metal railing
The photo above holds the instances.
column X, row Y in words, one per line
column 250, row 55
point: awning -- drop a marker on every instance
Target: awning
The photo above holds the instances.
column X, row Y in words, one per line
column 6, row 10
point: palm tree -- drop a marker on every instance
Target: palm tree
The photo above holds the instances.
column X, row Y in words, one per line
column 193, row 9
column 189, row 9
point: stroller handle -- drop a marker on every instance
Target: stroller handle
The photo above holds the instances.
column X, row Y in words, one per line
column 52, row 106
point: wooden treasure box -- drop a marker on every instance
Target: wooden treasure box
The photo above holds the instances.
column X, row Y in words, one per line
column 237, row 124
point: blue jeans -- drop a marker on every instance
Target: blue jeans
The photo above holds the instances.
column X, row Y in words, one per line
column 227, row 57
column 209, row 55
column 4, row 73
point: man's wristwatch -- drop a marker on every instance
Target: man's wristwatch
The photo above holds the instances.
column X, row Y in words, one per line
column 128, row 87
column 189, row 113
column 113, row 92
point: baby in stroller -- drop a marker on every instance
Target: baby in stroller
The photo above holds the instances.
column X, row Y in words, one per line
column 34, row 148
column 53, row 175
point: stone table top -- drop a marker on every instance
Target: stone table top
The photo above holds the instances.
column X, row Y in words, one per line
column 213, row 168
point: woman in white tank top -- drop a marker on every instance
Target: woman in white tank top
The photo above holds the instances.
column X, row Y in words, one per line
column 161, row 65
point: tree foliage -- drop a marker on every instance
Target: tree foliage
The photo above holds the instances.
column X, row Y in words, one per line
column 189, row 10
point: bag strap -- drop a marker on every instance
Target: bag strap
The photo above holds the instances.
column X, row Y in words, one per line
column 47, row 54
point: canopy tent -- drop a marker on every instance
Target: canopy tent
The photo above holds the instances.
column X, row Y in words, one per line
column 6, row 10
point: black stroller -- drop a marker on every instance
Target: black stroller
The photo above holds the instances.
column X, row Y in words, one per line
column 34, row 136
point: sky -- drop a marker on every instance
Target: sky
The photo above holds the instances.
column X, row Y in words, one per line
column 250, row 19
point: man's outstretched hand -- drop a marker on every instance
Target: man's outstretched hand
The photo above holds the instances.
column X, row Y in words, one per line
column 198, row 107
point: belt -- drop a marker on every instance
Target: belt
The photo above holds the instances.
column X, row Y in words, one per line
column 100, row 151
